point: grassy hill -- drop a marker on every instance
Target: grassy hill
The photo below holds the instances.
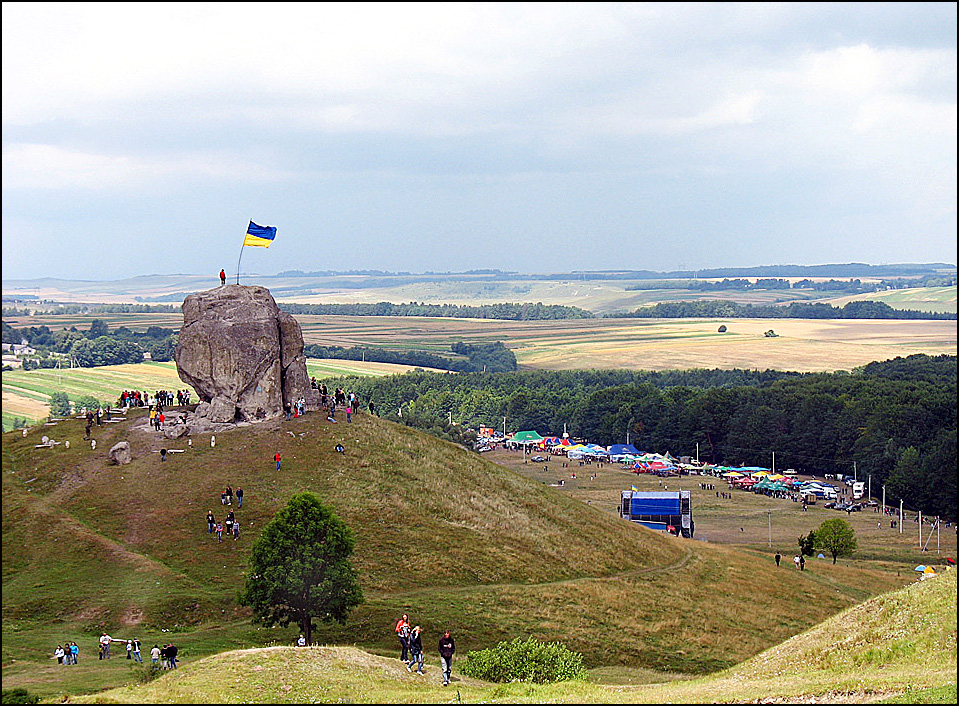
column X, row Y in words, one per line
column 902, row 643
column 442, row 534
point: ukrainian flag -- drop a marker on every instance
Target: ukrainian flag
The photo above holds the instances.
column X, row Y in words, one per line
column 261, row 236
column 635, row 489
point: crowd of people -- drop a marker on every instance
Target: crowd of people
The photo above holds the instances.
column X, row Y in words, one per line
column 165, row 657
column 230, row 524
column 411, row 648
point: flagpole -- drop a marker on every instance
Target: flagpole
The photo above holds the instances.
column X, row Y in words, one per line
column 241, row 255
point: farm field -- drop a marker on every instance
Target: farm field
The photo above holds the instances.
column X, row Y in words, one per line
column 26, row 394
column 804, row 345
column 597, row 295
column 653, row 344
column 920, row 299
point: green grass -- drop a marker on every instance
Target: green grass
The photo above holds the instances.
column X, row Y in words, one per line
column 442, row 534
column 899, row 647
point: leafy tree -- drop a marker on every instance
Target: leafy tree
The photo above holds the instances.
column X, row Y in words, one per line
column 88, row 402
column 59, row 404
column 807, row 544
column 300, row 568
column 837, row 537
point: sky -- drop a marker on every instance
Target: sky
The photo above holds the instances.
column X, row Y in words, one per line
column 142, row 138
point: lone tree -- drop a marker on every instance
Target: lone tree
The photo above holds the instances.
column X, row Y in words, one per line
column 836, row 537
column 300, row 568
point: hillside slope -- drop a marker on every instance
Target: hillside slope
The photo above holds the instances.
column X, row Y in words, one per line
column 893, row 644
column 442, row 534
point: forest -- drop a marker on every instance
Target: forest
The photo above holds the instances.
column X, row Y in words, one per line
column 893, row 421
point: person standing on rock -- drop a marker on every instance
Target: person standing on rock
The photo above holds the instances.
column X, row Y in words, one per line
column 222, row 277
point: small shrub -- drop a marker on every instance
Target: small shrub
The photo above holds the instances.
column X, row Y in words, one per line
column 145, row 673
column 19, row 696
column 525, row 660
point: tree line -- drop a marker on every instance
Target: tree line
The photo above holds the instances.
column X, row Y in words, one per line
column 894, row 421
column 506, row 311
column 469, row 357
column 96, row 346
column 796, row 310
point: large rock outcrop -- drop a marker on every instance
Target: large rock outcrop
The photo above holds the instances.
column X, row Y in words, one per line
column 242, row 355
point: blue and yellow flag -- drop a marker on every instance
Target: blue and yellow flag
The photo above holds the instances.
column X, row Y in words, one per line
column 261, row 236
column 635, row 489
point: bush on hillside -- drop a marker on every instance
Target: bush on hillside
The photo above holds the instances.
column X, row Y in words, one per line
column 60, row 404
column 19, row 696
column 525, row 660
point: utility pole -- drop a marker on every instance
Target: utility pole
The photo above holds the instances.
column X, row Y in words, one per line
column 774, row 463
column 697, row 452
column 920, row 530
column 769, row 519
column 870, row 486
column 855, row 473
column 900, row 515
column 504, row 426
column 883, row 499
column 451, row 417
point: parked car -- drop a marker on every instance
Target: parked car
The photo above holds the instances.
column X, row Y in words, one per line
column 830, row 505
column 537, row 459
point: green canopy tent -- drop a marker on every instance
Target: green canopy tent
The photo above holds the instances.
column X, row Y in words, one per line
column 525, row 438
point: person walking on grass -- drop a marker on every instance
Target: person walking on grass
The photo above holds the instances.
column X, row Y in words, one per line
column 219, row 531
column 403, row 634
column 447, row 647
column 155, row 655
column 416, row 651
column 277, row 458
column 778, row 558
column 136, row 651
column 239, row 497
column 210, row 522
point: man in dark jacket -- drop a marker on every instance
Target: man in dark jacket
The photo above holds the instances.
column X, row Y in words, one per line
column 447, row 648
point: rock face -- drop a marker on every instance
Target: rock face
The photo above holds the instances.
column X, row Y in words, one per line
column 242, row 355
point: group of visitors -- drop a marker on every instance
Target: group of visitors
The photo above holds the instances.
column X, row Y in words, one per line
column 164, row 656
column 165, row 398
column 411, row 644
column 230, row 523
column 67, row 653
column 157, row 417
column 133, row 399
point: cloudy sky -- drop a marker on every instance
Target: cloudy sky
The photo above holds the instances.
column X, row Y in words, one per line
column 141, row 138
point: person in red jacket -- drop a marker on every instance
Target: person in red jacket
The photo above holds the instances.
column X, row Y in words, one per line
column 222, row 277
column 403, row 633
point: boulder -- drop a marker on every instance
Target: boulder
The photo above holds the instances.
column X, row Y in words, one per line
column 176, row 431
column 120, row 453
column 242, row 355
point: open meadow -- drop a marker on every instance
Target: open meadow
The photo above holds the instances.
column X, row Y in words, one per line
column 454, row 539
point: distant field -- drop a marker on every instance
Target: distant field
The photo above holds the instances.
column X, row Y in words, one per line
column 920, row 299
column 654, row 344
column 596, row 295
column 26, row 394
